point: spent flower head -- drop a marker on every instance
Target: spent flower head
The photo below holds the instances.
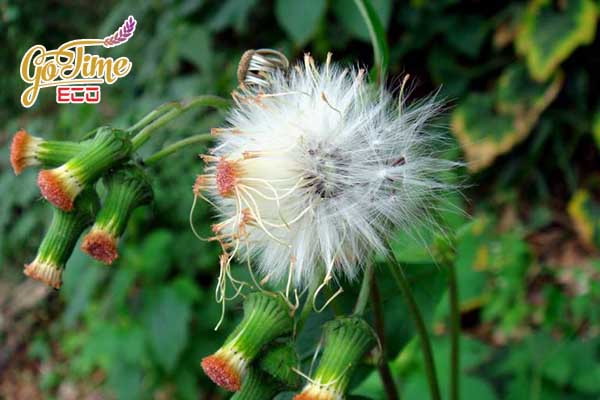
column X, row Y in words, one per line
column 61, row 238
column 317, row 169
column 28, row 151
column 345, row 342
column 266, row 317
column 61, row 185
column 127, row 187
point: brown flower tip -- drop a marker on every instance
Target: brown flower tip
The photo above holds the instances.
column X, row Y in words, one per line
column 50, row 274
column 226, row 177
column 54, row 190
column 100, row 245
column 222, row 373
column 20, row 151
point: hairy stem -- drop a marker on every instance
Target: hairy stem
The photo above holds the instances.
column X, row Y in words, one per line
column 403, row 284
column 174, row 147
column 384, row 367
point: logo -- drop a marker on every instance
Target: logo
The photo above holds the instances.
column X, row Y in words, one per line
column 76, row 74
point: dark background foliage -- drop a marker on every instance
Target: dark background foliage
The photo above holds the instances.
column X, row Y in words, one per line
column 521, row 80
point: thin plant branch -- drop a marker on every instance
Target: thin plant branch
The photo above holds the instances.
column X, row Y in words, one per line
column 379, row 322
column 176, row 146
column 158, row 118
column 405, row 290
column 454, row 333
column 365, row 288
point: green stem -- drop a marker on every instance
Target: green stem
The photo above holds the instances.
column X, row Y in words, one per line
column 306, row 309
column 454, row 334
column 174, row 147
column 365, row 289
column 403, row 284
column 174, row 110
column 152, row 115
column 378, row 321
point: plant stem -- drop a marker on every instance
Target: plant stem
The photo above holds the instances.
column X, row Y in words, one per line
column 158, row 118
column 306, row 309
column 384, row 367
column 454, row 333
column 365, row 288
column 403, row 284
column 174, row 147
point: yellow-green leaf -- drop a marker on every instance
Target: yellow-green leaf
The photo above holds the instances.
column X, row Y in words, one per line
column 490, row 124
column 585, row 213
column 549, row 33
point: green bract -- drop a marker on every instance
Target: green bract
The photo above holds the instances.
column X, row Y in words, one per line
column 345, row 342
column 61, row 185
column 127, row 188
column 60, row 239
column 266, row 317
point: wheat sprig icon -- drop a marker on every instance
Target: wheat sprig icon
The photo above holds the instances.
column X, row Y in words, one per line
column 121, row 35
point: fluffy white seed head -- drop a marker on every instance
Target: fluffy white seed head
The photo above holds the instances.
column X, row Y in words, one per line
column 317, row 169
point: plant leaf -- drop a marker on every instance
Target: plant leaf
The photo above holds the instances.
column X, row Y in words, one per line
column 299, row 19
column 548, row 36
column 584, row 212
column 490, row 124
column 381, row 52
column 167, row 318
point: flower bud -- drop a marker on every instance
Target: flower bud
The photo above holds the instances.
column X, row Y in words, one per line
column 271, row 374
column 127, row 188
column 266, row 317
column 61, row 185
column 345, row 342
column 28, row 151
column 60, row 239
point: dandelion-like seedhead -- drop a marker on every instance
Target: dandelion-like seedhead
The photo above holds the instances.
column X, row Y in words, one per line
column 317, row 169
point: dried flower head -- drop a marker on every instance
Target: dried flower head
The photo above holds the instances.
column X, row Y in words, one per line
column 127, row 188
column 266, row 317
column 61, row 185
column 27, row 151
column 345, row 342
column 61, row 238
column 317, row 169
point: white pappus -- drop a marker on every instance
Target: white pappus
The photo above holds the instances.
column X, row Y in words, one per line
column 316, row 170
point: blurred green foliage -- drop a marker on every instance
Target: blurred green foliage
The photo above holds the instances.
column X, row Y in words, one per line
column 521, row 79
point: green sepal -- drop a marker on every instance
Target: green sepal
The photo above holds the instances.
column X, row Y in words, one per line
column 66, row 227
column 53, row 153
column 107, row 149
column 345, row 341
column 266, row 317
column 128, row 187
column 256, row 386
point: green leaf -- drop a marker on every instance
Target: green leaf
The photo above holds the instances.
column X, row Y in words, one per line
column 167, row 324
column 378, row 37
column 232, row 13
column 352, row 21
column 467, row 34
column 490, row 124
column 549, row 33
column 299, row 19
